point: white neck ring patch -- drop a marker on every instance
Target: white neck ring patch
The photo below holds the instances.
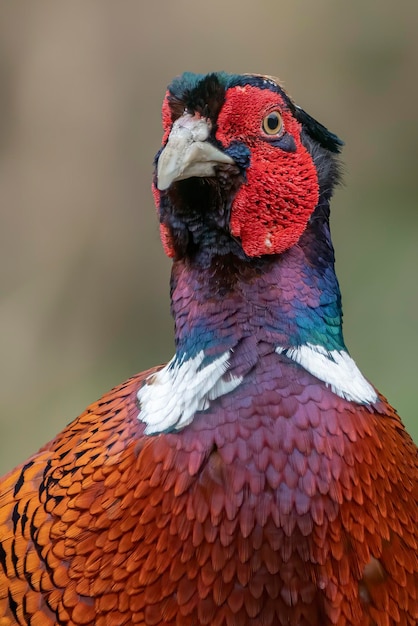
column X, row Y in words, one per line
column 336, row 369
column 170, row 398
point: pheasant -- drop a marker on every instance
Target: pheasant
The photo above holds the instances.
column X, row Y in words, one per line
column 258, row 478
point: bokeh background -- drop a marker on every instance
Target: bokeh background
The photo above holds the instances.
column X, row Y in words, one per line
column 83, row 279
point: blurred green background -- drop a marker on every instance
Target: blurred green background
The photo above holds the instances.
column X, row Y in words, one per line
column 84, row 282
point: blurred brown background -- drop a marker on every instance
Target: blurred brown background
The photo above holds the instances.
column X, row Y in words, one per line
column 84, row 282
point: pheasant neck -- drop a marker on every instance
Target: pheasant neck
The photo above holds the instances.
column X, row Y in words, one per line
column 288, row 300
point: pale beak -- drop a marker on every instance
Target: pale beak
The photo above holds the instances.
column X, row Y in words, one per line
column 187, row 153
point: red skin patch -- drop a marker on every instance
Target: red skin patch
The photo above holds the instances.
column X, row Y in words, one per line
column 166, row 117
column 167, row 241
column 271, row 210
column 165, row 234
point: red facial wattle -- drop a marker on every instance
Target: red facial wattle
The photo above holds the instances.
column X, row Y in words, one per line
column 165, row 234
column 271, row 210
column 166, row 115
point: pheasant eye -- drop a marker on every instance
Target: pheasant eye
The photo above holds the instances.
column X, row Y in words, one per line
column 272, row 123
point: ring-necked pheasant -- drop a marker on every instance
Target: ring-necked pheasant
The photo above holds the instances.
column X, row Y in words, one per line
column 258, row 478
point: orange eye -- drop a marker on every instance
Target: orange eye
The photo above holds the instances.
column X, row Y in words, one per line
column 272, row 123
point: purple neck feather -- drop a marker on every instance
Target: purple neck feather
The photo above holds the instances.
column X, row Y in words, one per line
column 243, row 304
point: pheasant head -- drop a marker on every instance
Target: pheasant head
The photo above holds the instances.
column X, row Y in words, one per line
column 242, row 168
